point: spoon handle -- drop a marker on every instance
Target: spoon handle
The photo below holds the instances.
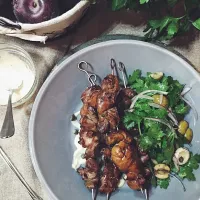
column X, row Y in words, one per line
column 31, row 192
column 8, row 128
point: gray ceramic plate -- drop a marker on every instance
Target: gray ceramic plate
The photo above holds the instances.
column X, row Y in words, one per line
column 50, row 132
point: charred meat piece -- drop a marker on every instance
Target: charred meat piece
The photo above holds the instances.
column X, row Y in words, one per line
column 110, row 84
column 89, row 118
column 109, row 120
column 87, row 138
column 133, row 171
column 121, row 155
column 128, row 92
column 105, row 101
column 92, row 151
column 88, row 110
column 90, row 174
column 134, row 184
column 106, row 152
column 125, row 157
column 103, row 125
column 90, row 141
column 116, row 137
column 124, row 99
column 110, row 178
column 137, row 182
column 89, row 96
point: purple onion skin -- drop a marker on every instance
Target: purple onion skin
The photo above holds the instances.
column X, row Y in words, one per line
column 35, row 11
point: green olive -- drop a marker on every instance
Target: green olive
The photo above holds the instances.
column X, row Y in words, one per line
column 189, row 134
column 160, row 100
column 157, row 75
column 182, row 127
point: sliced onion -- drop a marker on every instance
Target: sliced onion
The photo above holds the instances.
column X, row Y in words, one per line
column 178, row 179
column 146, row 97
column 195, row 113
column 170, row 113
column 173, row 118
column 140, row 132
column 185, row 90
column 145, row 92
column 155, row 105
column 162, row 122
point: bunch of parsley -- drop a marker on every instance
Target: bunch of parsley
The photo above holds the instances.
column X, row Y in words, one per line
column 157, row 138
column 164, row 24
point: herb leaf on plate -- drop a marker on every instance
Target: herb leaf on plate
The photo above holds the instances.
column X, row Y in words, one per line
column 186, row 171
column 163, row 183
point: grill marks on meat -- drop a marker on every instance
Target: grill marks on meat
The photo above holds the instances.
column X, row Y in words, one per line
column 89, row 137
column 89, row 96
column 107, row 112
column 117, row 136
column 90, row 174
column 110, row 84
column 89, row 118
column 99, row 115
column 105, row 101
column 108, row 121
column 110, row 177
column 90, row 141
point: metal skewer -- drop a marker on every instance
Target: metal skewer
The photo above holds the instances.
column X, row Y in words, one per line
column 31, row 192
column 122, row 69
column 91, row 77
column 146, row 194
column 113, row 65
column 82, row 66
column 108, row 196
column 93, row 197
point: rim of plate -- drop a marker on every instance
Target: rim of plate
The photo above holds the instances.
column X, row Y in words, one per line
column 59, row 68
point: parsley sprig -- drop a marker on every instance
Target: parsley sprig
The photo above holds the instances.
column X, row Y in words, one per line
column 164, row 24
column 156, row 138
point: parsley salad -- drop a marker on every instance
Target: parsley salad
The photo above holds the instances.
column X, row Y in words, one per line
column 157, row 112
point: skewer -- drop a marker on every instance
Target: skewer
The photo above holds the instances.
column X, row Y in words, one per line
column 146, row 194
column 113, row 65
column 122, row 68
column 108, row 196
column 93, row 197
column 92, row 80
column 91, row 77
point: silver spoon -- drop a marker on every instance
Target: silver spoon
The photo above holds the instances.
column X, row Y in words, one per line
column 8, row 127
column 31, row 192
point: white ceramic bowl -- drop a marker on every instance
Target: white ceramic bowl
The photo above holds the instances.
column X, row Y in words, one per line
column 51, row 138
column 47, row 29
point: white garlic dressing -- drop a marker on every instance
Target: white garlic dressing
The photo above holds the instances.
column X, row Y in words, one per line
column 78, row 159
column 14, row 72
